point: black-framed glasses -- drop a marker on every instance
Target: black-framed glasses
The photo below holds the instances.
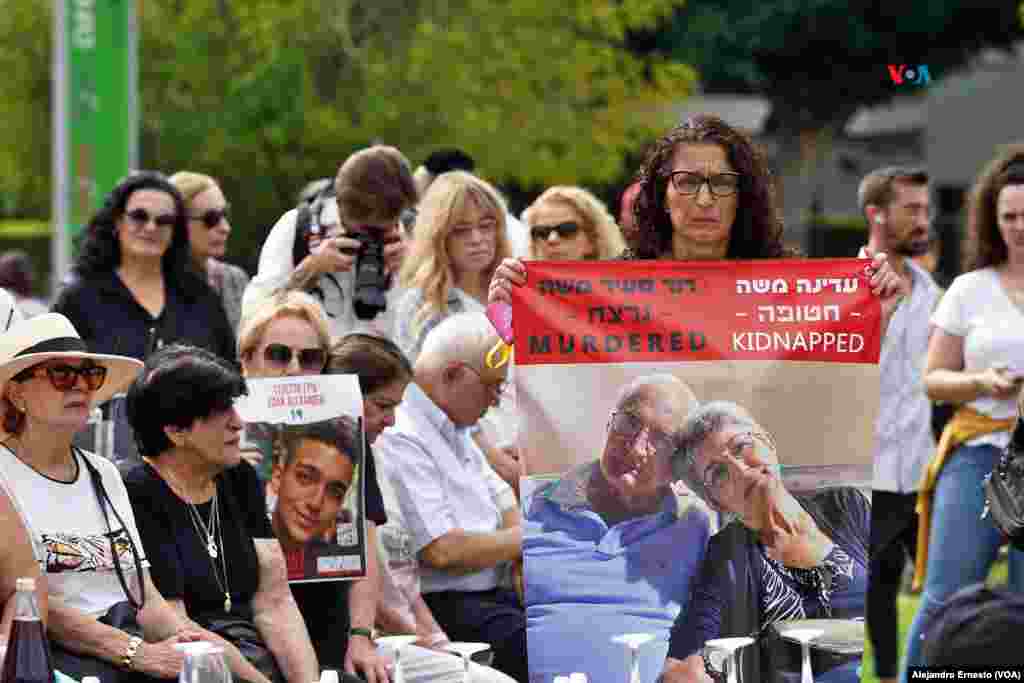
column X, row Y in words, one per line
column 718, row 474
column 211, row 218
column 310, row 360
column 565, row 230
column 498, row 387
column 141, row 217
column 628, row 426
column 64, row 377
column 720, row 184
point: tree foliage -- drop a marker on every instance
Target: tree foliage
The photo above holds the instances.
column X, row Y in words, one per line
column 818, row 61
column 266, row 94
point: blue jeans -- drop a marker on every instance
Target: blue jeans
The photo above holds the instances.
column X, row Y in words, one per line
column 961, row 546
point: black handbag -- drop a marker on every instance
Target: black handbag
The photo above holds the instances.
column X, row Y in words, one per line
column 1004, row 488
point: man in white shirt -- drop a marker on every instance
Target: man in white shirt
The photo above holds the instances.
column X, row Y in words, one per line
column 895, row 202
column 457, row 528
column 372, row 189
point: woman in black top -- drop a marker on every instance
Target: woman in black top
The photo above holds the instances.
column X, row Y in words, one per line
column 202, row 514
column 133, row 289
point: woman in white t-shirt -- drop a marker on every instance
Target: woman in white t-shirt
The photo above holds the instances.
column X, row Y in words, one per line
column 976, row 359
column 76, row 510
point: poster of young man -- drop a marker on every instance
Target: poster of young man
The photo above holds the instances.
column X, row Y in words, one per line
column 696, row 443
column 312, row 427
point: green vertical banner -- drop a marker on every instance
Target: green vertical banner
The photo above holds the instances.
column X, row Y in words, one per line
column 96, row 117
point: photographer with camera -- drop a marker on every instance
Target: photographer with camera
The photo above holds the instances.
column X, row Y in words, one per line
column 343, row 244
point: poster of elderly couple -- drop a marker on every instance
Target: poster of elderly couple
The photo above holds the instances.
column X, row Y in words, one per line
column 696, row 444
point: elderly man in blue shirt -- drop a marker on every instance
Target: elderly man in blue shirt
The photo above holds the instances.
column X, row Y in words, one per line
column 611, row 547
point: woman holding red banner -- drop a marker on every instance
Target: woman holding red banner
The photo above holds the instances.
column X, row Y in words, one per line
column 705, row 193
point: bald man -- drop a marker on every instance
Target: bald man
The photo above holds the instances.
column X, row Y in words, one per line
column 610, row 548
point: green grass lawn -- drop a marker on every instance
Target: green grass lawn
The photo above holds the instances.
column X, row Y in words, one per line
column 907, row 610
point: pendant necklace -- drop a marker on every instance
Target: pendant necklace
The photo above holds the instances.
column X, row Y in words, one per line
column 211, row 536
column 214, row 537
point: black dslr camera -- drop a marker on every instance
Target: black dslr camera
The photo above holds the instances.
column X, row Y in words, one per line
column 371, row 281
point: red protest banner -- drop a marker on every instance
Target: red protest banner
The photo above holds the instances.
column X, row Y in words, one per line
column 634, row 311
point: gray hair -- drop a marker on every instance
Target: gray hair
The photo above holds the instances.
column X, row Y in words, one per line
column 701, row 423
column 460, row 338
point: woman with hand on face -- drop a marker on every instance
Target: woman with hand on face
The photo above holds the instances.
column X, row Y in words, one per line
column 976, row 361
column 570, row 224
column 780, row 556
column 459, row 240
column 104, row 615
column 202, row 515
column 134, row 287
column 705, row 193
column 208, row 231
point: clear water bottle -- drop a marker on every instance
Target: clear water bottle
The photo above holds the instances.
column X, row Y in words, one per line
column 27, row 659
column 204, row 663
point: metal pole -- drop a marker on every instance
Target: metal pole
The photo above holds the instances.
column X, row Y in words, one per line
column 60, row 246
column 133, row 85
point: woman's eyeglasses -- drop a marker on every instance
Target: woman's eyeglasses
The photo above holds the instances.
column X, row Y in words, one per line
column 211, row 218
column 141, row 217
column 564, row 230
column 65, row 377
column 310, row 360
column 720, row 184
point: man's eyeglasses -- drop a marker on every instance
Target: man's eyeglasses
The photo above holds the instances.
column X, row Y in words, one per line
column 497, row 387
column 211, row 218
column 718, row 474
column 628, row 426
column 312, row 360
column 720, row 184
column 564, row 230
column 141, row 217
column 64, row 377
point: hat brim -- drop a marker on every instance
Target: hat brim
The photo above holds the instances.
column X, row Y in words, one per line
column 121, row 370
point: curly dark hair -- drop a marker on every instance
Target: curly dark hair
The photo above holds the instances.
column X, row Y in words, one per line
column 757, row 230
column 985, row 246
column 100, row 252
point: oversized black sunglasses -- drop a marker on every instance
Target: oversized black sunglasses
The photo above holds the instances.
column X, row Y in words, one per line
column 211, row 218
column 140, row 217
column 310, row 360
column 564, row 230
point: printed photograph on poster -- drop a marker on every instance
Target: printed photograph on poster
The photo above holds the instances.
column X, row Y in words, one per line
column 309, row 433
column 696, row 444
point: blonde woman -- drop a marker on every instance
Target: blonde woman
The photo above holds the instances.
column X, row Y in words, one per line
column 568, row 223
column 208, row 230
column 460, row 239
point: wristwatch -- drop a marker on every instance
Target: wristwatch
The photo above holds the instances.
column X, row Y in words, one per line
column 361, row 632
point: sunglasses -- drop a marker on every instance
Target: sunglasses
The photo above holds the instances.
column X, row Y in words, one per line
column 65, row 377
column 211, row 218
column 141, row 217
column 564, row 230
column 310, row 360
